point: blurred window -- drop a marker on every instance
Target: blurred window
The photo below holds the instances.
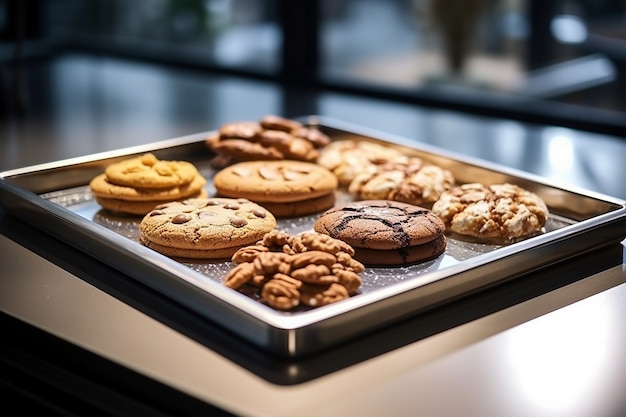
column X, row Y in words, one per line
column 237, row 34
column 556, row 61
column 565, row 51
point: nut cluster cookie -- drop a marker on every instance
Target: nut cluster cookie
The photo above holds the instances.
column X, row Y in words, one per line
column 308, row 269
column 498, row 212
column 204, row 228
column 348, row 158
column 286, row 188
column 137, row 184
column 272, row 138
column 385, row 232
column 406, row 179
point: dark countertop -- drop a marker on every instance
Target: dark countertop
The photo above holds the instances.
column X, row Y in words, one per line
column 549, row 345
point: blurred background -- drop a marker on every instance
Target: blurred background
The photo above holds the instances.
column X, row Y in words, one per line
column 479, row 52
column 84, row 75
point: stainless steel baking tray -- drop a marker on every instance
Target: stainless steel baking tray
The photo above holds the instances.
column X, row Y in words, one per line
column 55, row 198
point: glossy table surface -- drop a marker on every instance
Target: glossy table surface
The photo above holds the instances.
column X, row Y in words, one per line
column 550, row 344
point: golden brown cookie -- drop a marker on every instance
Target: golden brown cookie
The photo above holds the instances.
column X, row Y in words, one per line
column 139, row 207
column 135, row 185
column 348, row 158
column 146, row 171
column 285, row 209
column 101, row 186
column 498, row 212
column 205, row 228
column 287, row 188
column 409, row 180
column 385, row 232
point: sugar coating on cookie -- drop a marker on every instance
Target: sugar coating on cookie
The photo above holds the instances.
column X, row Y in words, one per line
column 206, row 224
column 498, row 211
column 380, row 224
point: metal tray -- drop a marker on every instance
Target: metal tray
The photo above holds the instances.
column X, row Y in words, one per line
column 55, row 198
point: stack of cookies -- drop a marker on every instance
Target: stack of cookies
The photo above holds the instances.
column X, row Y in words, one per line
column 286, row 188
column 272, row 138
column 385, row 232
column 136, row 185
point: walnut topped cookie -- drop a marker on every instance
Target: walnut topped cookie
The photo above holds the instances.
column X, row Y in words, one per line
column 205, row 228
column 497, row 212
column 272, row 138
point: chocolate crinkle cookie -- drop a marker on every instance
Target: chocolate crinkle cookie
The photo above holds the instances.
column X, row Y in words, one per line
column 307, row 270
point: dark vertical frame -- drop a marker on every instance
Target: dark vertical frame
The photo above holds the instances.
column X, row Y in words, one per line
column 300, row 50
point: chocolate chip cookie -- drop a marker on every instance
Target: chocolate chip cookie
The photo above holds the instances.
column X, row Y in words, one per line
column 205, row 228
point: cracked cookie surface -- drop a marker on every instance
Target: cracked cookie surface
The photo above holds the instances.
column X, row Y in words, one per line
column 385, row 232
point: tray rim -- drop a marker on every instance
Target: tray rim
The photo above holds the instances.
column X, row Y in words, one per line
column 278, row 331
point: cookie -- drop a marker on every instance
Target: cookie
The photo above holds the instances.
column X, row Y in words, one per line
column 146, row 171
column 403, row 256
column 309, row 269
column 408, row 179
column 348, row 158
column 205, row 228
column 498, row 212
column 272, row 138
column 101, row 186
column 139, row 207
column 377, row 228
column 301, row 208
column 137, row 184
column 303, row 187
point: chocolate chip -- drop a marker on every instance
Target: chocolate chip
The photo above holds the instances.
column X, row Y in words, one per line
column 181, row 218
column 231, row 206
column 259, row 213
column 238, row 221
